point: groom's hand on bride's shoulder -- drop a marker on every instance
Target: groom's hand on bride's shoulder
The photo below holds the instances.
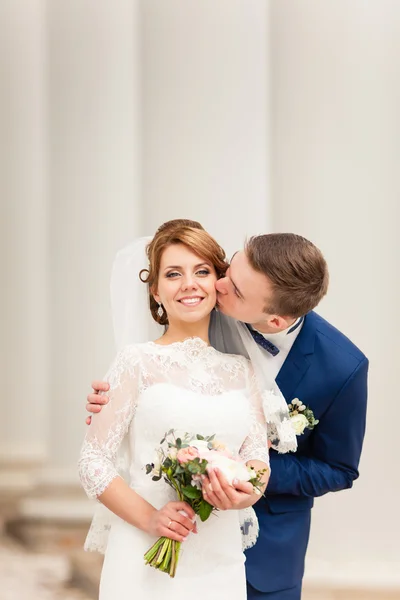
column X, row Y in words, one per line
column 95, row 401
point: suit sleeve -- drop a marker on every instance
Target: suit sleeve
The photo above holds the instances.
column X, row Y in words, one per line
column 335, row 448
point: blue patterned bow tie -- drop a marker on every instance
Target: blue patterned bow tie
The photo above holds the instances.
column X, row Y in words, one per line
column 261, row 341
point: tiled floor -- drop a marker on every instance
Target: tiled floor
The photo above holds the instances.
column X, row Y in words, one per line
column 25, row 576
column 349, row 595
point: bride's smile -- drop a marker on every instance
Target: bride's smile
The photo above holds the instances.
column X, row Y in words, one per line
column 191, row 301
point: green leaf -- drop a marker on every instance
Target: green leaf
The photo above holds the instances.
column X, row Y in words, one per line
column 194, row 467
column 205, row 510
column 203, row 466
column 149, row 469
column 179, row 469
column 199, row 437
column 191, row 492
column 156, row 477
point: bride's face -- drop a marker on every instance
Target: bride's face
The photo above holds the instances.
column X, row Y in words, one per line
column 186, row 285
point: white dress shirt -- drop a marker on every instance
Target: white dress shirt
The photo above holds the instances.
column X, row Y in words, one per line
column 283, row 340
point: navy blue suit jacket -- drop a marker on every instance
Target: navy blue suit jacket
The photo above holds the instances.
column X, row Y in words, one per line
column 328, row 373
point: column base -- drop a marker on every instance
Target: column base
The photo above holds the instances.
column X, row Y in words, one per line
column 85, row 572
column 51, row 519
column 18, row 479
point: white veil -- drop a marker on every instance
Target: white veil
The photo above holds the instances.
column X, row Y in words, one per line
column 280, row 430
column 131, row 316
column 133, row 323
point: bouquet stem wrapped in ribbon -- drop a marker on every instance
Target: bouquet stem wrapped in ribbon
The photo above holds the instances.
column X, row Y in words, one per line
column 182, row 461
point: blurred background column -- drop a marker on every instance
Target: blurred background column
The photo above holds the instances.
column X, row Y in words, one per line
column 206, row 115
column 94, row 100
column 335, row 166
column 23, row 242
column 94, row 209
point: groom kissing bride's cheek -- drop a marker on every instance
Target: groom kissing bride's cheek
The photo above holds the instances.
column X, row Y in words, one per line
column 264, row 310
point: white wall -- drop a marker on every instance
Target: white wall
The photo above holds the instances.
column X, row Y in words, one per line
column 205, row 115
column 336, row 162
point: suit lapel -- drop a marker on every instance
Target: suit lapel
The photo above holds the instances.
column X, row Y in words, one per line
column 298, row 360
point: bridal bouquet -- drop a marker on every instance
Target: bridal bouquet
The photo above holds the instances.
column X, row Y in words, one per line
column 182, row 462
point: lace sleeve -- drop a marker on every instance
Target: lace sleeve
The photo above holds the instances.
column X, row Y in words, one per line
column 97, row 462
column 255, row 446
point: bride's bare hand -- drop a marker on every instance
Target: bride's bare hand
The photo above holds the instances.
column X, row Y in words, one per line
column 171, row 523
column 218, row 492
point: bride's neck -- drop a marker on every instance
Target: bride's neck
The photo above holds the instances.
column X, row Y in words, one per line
column 178, row 332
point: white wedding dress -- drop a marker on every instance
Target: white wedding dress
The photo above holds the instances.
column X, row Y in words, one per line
column 191, row 387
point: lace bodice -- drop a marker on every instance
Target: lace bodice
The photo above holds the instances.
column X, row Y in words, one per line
column 202, row 375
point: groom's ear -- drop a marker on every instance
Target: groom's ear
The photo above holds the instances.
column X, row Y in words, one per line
column 279, row 323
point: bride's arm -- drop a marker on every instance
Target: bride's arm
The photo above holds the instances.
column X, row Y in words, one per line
column 97, row 470
column 254, row 452
column 132, row 508
column 255, row 449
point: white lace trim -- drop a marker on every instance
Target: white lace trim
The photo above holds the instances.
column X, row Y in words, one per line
column 249, row 527
column 191, row 364
column 280, row 431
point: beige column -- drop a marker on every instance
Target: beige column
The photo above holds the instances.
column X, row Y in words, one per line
column 94, row 99
column 23, row 239
column 94, row 209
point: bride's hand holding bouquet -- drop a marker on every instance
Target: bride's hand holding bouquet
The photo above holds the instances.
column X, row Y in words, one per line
column 175, row 520
column 192, row 465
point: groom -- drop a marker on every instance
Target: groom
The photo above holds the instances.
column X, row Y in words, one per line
column 273, row 285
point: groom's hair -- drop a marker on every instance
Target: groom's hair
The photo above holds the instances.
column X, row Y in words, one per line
column 295, row 267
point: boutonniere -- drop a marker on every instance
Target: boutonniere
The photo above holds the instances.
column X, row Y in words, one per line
column 301, row 416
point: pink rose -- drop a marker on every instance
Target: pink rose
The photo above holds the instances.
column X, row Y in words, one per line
column 186, row 454
column 211, row 454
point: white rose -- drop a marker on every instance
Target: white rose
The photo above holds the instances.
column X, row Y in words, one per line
column 299, row 423
column 201, row 445
column 172, row 453
column 156, row 472
column 230, row 469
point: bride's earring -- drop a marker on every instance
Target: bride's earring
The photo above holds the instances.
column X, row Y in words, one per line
column 160, row 310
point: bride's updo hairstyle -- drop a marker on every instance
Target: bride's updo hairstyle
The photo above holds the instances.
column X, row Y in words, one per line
column 192, row 235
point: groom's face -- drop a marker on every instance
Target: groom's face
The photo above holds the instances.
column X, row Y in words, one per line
column 243, row 293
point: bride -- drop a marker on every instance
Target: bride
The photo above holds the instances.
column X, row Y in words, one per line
column 176, row 382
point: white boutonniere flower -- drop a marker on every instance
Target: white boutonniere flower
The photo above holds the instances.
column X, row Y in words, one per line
column 301, row 417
